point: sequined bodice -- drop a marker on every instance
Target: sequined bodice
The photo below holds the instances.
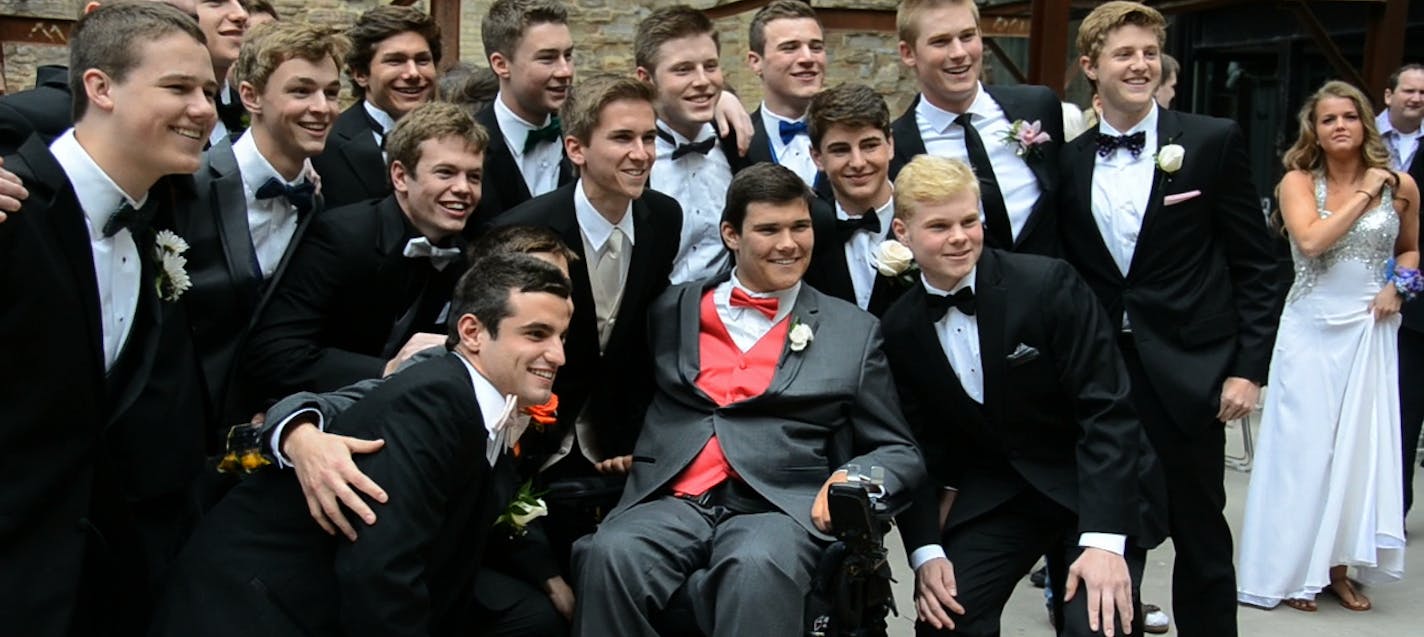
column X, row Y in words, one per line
column 1369, row 242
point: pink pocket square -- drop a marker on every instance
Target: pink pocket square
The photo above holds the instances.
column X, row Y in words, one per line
column 1172, row 200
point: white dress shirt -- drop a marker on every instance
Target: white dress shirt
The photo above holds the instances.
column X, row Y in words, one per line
column 540, row 167
column 747, row 325
column 860, row 251
column 944, row 138
column 270, row 222
column 1402, row 147
column 595, row 229
column 1121, row 188
column 493, row 410
column 117, row 269
column 699, row 184
column 795, row 155
column 225, row 95
column 387, row 123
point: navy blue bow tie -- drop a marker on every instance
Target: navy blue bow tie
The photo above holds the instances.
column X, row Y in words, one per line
column 789, row 130
column 300, row 195
column 1133, row 143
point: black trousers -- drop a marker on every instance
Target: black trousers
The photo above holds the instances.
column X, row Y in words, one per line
column 1411, row 404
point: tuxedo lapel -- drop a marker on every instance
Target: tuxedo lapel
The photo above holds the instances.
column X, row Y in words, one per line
column 229, row 205
column 1085, row 161
column 502, row 171
column 1016, row 109
column 991, row 298
column 1169, row 131
column 808, row 311
column 564, row 222
column 760, row 149
column 689, row 330
column 146, row 331
column 640, row 268
column 908, row 142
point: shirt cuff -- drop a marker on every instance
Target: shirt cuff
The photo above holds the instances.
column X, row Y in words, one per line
column 924, row 554
column 275, row 442
column 1111, row 542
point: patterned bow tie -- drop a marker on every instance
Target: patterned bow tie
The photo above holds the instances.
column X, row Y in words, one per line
column 962, row 300
column 765, row 304
column 869, row 222
column 136, row 220
column 551, row 132
column 420, row 248
column 789, row 130
column 702, row 148
column 1133, row 143
column 300, row 196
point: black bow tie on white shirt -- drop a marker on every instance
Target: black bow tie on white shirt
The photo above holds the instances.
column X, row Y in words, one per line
column 869, row 222
column 300, row 195
column 135, row 219
column 680, row 150
column 1133, row 143
column 939, row 305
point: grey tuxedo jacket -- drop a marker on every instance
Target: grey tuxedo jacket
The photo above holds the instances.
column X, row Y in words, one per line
column 829, row 404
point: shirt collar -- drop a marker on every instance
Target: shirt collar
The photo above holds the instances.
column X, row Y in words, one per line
column 769, row 118
column 254, row 167
column 514, row 127
column 595, row 227
column 940, row 119
column 491, row 400
column 98, row 195
column 1148, row 125
column 886, row 213
column 1386, row 128
column 384, row 119
column 966, row 282
column 785, row 299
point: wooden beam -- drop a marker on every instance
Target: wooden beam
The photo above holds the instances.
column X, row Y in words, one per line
column 1327, row 46
column 1048, row 44
column 35, row 30
column 447, row 15
column 1384, row 47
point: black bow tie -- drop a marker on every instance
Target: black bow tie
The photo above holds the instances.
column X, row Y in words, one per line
column 789, row 130
column 701, row 147
column 869, row 222
column 551, row 132
column 136, row 220
column 1133, row 143
column 963, row 300
column 300, row 195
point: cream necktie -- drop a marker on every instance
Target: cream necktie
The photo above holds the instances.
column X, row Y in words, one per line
column 608, row 282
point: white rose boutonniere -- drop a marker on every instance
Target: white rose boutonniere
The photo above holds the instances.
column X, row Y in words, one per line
column 1169, row 158
column 800, row 335
column 526, row 507
column 172, row 279
column 893, row 258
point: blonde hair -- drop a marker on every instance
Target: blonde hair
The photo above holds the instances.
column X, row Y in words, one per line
column 907, row 16
column 929, row 180
column 267, row 46
column 1110, row 16
column 1305, row 153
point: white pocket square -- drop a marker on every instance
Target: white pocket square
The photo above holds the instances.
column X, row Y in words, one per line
column 1172, row 200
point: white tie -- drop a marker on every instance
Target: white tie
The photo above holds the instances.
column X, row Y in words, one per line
column 420, row 248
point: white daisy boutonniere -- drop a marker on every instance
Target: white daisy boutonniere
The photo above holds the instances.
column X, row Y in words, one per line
column 1026, row 137
column 800, row 335
column 172, row 279
column 1169, row 158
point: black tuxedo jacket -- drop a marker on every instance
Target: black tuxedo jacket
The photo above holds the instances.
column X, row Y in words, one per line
column 829, row 272
column 1413, row 311
column 503, row 186
column 1021, row 102
column 78, row 443
column 258, row 565
column 617, row 384
column 1201, row 290
column 1056, row 416
column 228, row 292
column 44, row 109
column 342, row 308
column 351, row 167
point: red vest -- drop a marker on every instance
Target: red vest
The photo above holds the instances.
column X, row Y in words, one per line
column 727, row 376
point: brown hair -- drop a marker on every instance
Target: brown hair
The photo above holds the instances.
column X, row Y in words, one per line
column 764, row 182
column 1170, row 67
column 503, row 27
column 380, row 23
column 907, row 16
column 267, row 46
column 665, row 24
column 581, row 111
column 1393, row 84
column 1108, row 17
column 852, row 105
column 520, row 240
column 469, row 86
column 432, row 120
column 110, row 37
column 262, row 6
column 776, row 10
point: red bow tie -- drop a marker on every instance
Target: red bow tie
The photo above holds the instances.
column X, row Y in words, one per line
column 766, row 305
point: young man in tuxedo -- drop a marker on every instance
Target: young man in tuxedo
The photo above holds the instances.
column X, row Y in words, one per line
column 372, row 276
column 102, row 428
column 224, row 23
column 394, row 51
column 1022, row 411
column 255, row 196
column 257, row 563
column 788, row 54
column 766, row 388
column 850, row 141
column 1399, row 128
column 1160, row 217
column 957, row 116
column 677, row 52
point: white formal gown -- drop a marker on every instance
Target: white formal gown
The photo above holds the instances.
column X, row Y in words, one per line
column 1325, row 489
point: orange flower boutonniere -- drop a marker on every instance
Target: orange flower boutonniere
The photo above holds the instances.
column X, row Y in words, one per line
column 544, row 415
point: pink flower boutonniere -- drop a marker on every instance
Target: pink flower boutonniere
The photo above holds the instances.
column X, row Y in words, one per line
column 1027, row 137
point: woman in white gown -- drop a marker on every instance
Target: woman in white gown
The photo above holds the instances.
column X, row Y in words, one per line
column 1325, row 493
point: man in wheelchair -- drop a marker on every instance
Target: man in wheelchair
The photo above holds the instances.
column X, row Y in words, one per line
column 766, row 390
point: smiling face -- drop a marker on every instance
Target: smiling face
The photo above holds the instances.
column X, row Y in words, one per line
column 856, row 159
column 525, row 357
column 292, row 115
column 1127, row 72
column 947, row 55
column 223, row 23
column 688, row 79
column 773, row 247
column 162, row 112
column 1338, row 126
column 535, row 80
column 945, row 237
column 441, row 191
column 792, row 66
column 402, row 74
column 614, row 163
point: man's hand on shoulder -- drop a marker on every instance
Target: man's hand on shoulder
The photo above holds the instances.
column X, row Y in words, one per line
column 936, row 593
column 1109, row 588
column 327, row 474
column 12, row 192
column 731, row 115
column 419, row 341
